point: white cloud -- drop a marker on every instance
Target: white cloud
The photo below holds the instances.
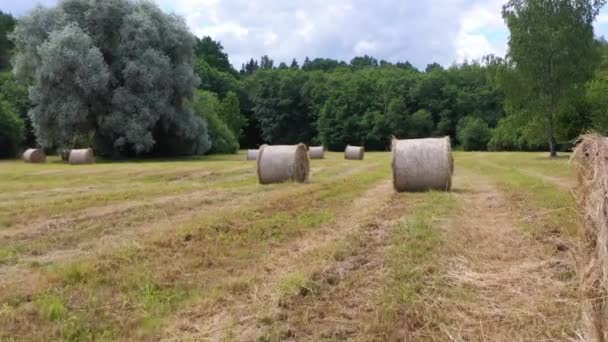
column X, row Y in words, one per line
column 477, row 25
column 364, row 47
column 419, row 31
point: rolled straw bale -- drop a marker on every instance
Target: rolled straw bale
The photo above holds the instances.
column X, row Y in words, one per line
column 316, row 152
column 422, row 164
column 82, row 156
column 252, row 154
column 34, row 155
column 354, row 152
column 65, row 154
column 591, row 161
column 282, row 163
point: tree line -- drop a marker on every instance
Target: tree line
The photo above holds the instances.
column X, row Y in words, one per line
column 130, row 80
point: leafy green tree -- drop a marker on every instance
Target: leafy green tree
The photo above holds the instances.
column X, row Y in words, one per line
column 116, row 71
column 230, row 113
column 213, row 53
column 551, row 53
column 294, row 64
column 7, row 23
column 420, row 124
column 278, row 106
column 215, row 80
column 597, row 89
column 16, row 96
column 208, row 107
column 266, row 63
column 473, row 134
column 364, row 62
column 11, row 131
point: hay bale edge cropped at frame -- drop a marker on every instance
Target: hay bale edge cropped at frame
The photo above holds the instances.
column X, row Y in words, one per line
column 422, row 164
column 354, row 152
column 281, row 163
column 81, row 156
column 316, row 152
column 34, row 155
column 591, row 161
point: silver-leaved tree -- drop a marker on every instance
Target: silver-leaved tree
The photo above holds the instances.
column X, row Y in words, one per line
column 115, row 74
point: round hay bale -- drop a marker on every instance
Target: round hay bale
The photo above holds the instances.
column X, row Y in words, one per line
column 316, row 152
column 252, row 154
column 354, row 152
column 82, row 156
column 283, row 163
column 34, row 155
column 590, row 158
column 422, row 164
column 65, row 154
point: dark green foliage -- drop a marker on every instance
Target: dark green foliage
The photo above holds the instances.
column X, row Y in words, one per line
column 16, row 96
column 473, row 134
column 214, row 80
column 279, row 106
column 208, row 107
column 213, row 53
column 11, row 130
column 7, row 24
column 230, row 112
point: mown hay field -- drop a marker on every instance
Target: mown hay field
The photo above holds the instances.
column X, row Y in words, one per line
column 195, row 249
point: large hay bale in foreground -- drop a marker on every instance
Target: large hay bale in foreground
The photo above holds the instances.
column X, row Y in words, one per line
column 422, row 164
column 282, row 163
column 34, row 155
column 354, row 152
column 252, row 154
column 591, row 160
column 82, row 156
column 316, row 152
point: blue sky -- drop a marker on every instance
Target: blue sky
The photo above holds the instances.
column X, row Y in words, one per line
column 420, row 31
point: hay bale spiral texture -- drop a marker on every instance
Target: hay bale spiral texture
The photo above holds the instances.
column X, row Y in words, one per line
column 252, row 154
column 316, row 152
column 591, row 160
column 354, row 152
column 34, row 155
column 422, row 164
column 283, row 163
column 82, row 156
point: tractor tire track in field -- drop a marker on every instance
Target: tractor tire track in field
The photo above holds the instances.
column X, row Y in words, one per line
column 499, row 282
column 240, row 318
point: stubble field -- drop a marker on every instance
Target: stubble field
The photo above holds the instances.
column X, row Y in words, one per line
column 195, row 249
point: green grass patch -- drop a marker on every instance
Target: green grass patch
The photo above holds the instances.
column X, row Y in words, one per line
column 51, row 307
column 411, row 259
column 530, row 191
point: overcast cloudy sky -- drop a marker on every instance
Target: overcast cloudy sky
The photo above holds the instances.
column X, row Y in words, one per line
column 419, row 31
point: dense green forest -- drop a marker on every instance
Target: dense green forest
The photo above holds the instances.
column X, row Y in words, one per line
column 532, row 99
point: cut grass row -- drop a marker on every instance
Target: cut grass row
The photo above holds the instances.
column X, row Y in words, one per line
column 129, row 292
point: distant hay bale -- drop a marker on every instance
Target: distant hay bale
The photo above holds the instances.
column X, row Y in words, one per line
column 354, row 152
column 591, row 160
column 283, row 163
column 316, row 152
column 252, row 154
column 82, row 156
column 422, row 164
column 65, row 154
column 34, row 155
